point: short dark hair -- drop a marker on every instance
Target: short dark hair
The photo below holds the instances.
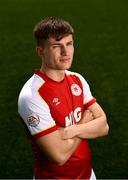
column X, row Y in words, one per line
column 51, row 27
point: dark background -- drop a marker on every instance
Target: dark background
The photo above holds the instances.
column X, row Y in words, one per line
column 101, row 53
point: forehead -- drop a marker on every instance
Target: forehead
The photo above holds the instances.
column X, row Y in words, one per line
column 65, row 39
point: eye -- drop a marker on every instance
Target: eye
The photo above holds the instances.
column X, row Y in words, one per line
column 70, row 43
column 56, row 46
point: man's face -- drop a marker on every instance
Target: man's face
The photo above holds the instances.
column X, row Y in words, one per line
column 58, row 55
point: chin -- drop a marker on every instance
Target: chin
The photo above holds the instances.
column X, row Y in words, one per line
column 66, row 67
column 63, row 66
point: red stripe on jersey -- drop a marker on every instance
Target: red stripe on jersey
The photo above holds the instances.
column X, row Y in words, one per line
column 45, row 77
column 38, row 72
column 89, row 103
column 47, row 131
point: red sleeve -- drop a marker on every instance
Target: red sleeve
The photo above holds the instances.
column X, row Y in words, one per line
column 89, row 103
column 44, row 132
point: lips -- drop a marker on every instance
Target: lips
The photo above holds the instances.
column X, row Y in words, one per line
column 65, row 59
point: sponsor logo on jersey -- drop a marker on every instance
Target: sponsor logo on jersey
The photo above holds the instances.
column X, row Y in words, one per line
column 76, row 90
column 73, row 117
column 33, row 120
column 56, row 101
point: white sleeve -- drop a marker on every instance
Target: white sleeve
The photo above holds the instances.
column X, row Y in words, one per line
column 88, row 98
column 36, row 115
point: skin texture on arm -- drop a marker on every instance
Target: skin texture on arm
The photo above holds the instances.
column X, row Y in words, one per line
column 56, row 148
column 89, row 128
column 59, row 145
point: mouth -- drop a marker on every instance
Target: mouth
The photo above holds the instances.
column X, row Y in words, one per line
column 65, row 60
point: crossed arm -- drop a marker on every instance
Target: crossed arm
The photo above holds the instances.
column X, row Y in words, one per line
column 92, row 125
column 60, row 144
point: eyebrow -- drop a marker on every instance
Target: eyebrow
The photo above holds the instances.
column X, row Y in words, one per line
column 57, row 43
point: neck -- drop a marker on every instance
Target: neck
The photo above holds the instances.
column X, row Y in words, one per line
column 56, row 75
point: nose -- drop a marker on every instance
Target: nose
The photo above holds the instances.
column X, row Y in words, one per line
column 63, row 50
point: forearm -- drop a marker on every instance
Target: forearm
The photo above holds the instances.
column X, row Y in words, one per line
column 92, row 129
column 96, row 127
column 68, row 147
column 56, row 148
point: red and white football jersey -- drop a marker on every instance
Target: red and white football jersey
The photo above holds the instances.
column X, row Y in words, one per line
column 44, row 105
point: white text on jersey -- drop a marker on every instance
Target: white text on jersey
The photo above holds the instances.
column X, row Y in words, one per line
column 73, row 117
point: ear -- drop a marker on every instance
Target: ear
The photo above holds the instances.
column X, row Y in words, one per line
column 39, row 51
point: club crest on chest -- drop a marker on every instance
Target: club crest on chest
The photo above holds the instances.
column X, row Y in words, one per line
column 76, row 90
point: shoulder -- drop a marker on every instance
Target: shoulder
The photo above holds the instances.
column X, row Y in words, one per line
column 31, row 86
column 76, row 75
column 29, row 93
column 71, row 73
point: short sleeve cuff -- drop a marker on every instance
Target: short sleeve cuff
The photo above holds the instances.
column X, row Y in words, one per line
column 92, row 101
column 44, row 132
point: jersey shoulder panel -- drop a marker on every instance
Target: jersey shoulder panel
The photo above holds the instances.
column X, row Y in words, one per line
column 33, row 109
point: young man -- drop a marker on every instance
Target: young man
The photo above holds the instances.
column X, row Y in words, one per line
column 58, row 108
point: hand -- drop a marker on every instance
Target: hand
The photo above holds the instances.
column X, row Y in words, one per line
column 87, row 116
column 68, row 132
